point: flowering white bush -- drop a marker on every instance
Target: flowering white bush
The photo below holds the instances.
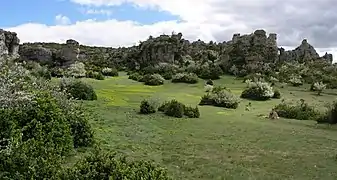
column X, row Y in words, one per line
column 15, row 83
column 208, row 88
column 295, row 81
column 258, row 91
column 319, row 87
column 109, row 72
column 76, row 70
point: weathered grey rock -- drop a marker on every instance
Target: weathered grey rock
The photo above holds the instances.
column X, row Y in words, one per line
column 68, row 54
column 304, row 52
column 164, row 48
column 9, row 43
column 328, row 57
column 252, row 48
column 36, row 53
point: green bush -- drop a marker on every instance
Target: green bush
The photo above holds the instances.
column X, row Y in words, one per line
column 78, row 89
column 330, row 117
column 192, row 112
column 99, row 165
column 135, row 76
column 277, row 94
column 190, row 78
column 146, row 107
column 57, row 72
column 296, row 81
column 98, row 76
column 258, row 91
column 83, row 135
column 167, row 75
column 95, row 75
column 301, row 111
column 209, row 72
column 39, row 125
column 153, row 80
column 109, row 72
column 174, row 109
column 35, row 136
column 220, row 98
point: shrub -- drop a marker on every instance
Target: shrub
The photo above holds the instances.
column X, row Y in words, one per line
column 41, row 71
column 98, row 76
column 76, row 70
column 110, row 71
column 135, row 76
column 318, row 87
column 209, row 82
column 95, row 75
column 277, row 94
column 210, row 72
column 153, row 80
column 37, row 125
column 192, row 112
column 330, row 116
column 295, row 81
column 190, row 78
column 167, row 75
column 220, row 98
column 57, row 72
column 208, row 88
column 174, row 109
column 99, row 165
column 78, row 89
column 301, row 111
column 258, row 91
column 146, row 107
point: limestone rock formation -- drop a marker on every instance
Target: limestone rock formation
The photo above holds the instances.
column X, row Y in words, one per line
column 36, row 53
column 68, row 54
column 9, row 43
column 164, row 48
column 252, row 48
column 304, row 52
column 328, row 57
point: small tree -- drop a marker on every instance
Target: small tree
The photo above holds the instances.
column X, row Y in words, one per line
column 319, row 87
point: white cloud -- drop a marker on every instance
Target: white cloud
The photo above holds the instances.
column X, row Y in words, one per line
column 216, row 20
column 99, row 11
column 62, row 20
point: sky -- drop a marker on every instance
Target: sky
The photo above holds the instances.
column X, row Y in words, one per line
column 115, row 23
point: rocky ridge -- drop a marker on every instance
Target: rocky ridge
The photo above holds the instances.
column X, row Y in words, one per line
column 254, row 48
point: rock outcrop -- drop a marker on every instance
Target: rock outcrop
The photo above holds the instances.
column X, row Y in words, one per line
column 36, row 53
column 164, row 48
column 251, row 49
column 68, row 53
column 9, row 43
column 303, row 53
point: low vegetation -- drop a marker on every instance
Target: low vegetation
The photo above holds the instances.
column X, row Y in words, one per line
column 78, row 89
column 258, row 91
column 189, row 78
column 220, row 97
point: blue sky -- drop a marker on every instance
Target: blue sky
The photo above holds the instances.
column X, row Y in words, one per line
column 45, row 11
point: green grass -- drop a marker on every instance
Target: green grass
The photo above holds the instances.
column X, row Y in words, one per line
column 222, row 143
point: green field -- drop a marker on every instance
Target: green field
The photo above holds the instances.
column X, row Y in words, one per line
column 222, row 143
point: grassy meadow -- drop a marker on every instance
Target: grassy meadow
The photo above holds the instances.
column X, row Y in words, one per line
column 222, row 143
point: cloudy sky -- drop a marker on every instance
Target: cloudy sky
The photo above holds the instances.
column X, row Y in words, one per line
column 126, row 22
